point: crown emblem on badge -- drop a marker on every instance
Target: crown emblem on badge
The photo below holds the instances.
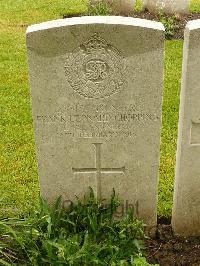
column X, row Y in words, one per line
column 95, row 69
column 93, row 44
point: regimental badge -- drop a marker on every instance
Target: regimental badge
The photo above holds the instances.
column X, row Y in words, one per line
column 95, row 69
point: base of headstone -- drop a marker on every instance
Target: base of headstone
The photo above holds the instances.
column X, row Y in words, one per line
column 150, row 231
column 118, row 6
column 167, row 6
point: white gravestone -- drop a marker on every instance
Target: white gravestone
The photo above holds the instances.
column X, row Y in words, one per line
column 96, row 85
column 186, row 209
column 167, row 6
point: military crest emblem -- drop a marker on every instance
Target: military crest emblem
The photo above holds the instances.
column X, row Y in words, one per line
column 95, row 69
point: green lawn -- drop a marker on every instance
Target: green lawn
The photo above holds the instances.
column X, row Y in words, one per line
column 195, row 6
column 18, row 171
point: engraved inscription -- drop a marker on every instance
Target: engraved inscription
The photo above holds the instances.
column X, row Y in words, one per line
column 95, row 69
column 102, row 118
column 195, row 133
column 97, row 121
column 98, row 170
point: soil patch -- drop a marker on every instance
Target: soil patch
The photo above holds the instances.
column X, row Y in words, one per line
column 169, row 250
column 180, row 21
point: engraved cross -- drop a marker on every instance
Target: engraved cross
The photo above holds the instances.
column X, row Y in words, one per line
column 98, row 170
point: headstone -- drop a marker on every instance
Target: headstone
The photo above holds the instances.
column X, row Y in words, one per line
column 118, row 6
column 97, row 87
column 122, row 6
column 167, row 6
column 186, row 209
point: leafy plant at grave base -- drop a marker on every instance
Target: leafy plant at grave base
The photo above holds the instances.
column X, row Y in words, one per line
column 86, row 233
column 169, row 24
column 99, row 9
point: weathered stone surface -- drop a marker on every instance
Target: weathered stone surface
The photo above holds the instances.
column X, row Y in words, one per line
column 96, row 94
column 186, row 209
column 118, row 6
column 122, row 6
column 167, row 6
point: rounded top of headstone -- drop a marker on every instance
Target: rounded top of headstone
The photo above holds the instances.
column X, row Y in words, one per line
column 193, row 24
column 110, row 20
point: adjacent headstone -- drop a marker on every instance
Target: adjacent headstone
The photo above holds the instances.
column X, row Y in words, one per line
column 167, row 6
column 186, row 209
column 122, row 6
column 118, row 6
column 97, row 87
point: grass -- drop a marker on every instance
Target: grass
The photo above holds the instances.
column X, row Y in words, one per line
column 23, row 12
column 173, row 63
column 195, row 6
column 19, row 188
column 86, row 233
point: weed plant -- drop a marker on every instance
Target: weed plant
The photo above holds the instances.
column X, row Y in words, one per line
column 85, row 233
column 169, row 23
column 99, row 9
